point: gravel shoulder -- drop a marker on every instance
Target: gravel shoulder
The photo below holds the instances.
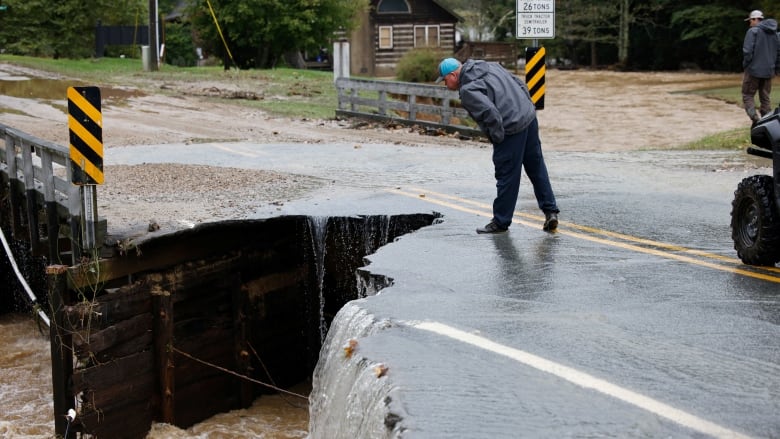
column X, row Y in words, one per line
column 585, row 111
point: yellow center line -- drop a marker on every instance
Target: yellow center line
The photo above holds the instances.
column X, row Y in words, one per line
column 664, row 250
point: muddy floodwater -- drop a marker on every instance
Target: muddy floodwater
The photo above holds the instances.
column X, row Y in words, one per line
column 54, row 89
column 26, row 392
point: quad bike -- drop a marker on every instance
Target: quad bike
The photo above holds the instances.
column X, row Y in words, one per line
column 755, row 213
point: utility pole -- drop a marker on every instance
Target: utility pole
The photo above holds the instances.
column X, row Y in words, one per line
column 154, row 53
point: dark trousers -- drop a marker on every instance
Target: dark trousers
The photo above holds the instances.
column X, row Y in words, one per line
column 518, row 151
column 751, row 85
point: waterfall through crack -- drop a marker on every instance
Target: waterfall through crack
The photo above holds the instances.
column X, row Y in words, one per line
column 318, row 230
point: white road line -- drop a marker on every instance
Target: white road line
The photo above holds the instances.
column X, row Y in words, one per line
column 583, row 379
column 234, row 150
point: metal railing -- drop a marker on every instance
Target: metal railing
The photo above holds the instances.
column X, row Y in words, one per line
column 408, row 103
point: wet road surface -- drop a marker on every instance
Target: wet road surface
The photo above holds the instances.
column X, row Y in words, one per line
column 635, row 319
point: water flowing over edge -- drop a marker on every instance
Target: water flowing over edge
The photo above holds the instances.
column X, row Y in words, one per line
column 347, row 398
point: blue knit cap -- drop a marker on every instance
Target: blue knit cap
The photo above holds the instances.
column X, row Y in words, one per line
column 447, row 66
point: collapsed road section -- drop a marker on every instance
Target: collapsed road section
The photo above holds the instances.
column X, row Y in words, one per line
column 148, row 335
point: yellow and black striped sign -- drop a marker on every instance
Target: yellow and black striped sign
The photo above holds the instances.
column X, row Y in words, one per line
column 534, row 74
column 85, row 123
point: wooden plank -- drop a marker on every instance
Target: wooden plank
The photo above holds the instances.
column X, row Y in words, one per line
column 266, row 284
column 411, row 110
column 388, row 119
column 122, row 421
column 129, row 347
column 161, row 257
column 104, row 375
column 109, row 309
column 434, row 91
column 417, row 108
column 213, row 347
column 128, row 390
column 91, row 342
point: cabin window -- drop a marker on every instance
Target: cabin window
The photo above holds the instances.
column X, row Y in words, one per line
column 426, row 36
column 385, row 37
column 393, row 6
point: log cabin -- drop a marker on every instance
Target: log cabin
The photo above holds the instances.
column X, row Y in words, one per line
column 391, row 28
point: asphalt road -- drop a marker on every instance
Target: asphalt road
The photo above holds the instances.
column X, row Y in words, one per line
column 635, row 319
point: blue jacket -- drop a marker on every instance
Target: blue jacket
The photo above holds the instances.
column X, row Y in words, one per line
column 761, row 50
column 496, row 99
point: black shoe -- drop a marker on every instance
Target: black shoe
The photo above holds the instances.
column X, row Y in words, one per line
column 491, row 227
column 550, row 221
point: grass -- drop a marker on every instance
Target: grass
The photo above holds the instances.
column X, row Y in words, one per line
column 284, row 91
column 299, row 93
column 735, row 139
column 733, row 95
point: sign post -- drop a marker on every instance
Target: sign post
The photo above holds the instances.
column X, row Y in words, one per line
column 85, row 126
column 535, row 20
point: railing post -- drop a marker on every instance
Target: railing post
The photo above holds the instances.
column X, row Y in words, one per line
column 89, row 216
column 61, row 350
column 446, row 111
column 382, row 103
column 14, row 186
column 52, row 220
column 340, row 94
column 32, row 207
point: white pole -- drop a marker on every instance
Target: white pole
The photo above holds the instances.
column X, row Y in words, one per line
column 157, row 32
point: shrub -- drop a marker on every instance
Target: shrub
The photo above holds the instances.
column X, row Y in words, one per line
column 179, row 48
column 419, row 65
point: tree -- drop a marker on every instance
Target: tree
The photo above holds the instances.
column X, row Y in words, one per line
column 716, row 30
column 591, row 22
column 636, row 12
column 258, row 33
column 485, row 20
column 65, row 28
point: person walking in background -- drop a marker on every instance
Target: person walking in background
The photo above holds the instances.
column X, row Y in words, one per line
column 502, row 107
column 761, row 61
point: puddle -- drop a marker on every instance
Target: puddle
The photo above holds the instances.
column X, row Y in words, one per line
column 55, row 89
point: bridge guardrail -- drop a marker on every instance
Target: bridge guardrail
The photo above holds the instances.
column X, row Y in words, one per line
column 404, row 102
column 41, row 170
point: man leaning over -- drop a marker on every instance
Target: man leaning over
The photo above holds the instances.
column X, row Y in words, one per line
column 500, row 104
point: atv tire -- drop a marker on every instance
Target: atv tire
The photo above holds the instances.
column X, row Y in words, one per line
column 755, row 226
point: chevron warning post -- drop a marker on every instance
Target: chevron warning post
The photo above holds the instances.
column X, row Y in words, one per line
column 85, row 126
column 535, row 70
